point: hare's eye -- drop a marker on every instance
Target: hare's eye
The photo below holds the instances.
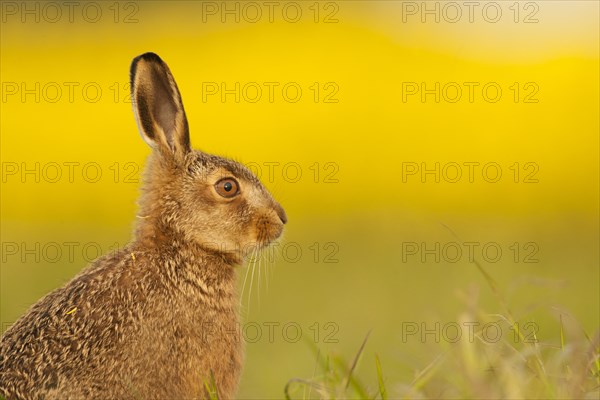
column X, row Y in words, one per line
column 227, row 187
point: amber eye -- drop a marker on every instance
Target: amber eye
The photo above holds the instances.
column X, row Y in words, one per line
column 227, row 187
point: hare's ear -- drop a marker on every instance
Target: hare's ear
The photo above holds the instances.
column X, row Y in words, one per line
column 158, row 107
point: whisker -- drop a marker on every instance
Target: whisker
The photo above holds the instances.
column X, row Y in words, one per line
column 251, row 282
column 258, row 289
column 267, row 263
column 244, row 285
column 270, row 266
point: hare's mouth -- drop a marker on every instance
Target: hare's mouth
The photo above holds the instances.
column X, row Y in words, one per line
column 267, row 231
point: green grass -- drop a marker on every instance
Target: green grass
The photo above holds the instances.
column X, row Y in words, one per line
column 562, row 364
column 211, row 388
column 523, row 368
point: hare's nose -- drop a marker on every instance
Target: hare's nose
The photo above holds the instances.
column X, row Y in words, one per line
column 281, row 213
column 283, row 216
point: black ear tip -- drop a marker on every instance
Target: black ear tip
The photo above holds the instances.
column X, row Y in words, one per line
column 148, row 57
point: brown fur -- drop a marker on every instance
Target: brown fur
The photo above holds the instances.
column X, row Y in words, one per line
column 158, row 319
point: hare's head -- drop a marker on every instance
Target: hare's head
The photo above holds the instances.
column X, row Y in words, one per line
column 212, row 201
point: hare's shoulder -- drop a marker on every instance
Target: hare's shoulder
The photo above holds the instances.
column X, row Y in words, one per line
column 80, row 326
column 103, row 296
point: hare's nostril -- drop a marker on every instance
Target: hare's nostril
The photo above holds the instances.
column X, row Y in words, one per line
column 282, row 215
column 279, row 211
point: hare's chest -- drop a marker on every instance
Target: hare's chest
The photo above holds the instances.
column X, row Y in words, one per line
column 210, row 351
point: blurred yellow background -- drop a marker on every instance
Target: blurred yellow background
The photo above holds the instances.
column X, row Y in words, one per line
column 365, row 97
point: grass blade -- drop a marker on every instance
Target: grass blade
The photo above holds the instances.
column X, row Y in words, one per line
column 382, row 390
column 355, row 361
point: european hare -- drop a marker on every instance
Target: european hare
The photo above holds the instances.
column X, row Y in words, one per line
column 159, row 318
